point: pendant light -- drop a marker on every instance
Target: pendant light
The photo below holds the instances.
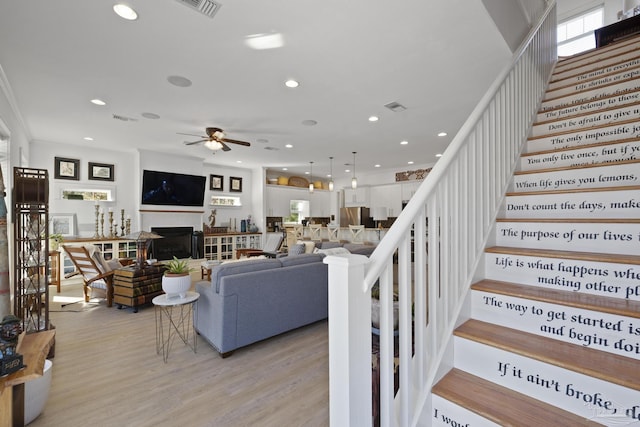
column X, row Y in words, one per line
column 331, row 173
column 354, row 180
column 311, row 177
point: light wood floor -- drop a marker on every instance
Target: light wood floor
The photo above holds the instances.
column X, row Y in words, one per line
column 106, row 373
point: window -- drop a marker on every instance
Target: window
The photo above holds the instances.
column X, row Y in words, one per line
column 575, row 35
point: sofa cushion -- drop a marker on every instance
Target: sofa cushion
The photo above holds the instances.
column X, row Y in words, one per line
column 244, row 266
column 297, row 249
column 329, row 245
column 289, row 261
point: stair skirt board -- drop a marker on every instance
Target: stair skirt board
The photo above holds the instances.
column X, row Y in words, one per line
column 554, row 330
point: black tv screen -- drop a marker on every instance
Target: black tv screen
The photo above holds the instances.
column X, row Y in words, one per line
column 176, row 189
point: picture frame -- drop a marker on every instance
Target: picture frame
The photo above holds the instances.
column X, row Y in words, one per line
column 65, row 168
column 235, row 184
column 101, row 171
column 63, row 224
column 216, row 182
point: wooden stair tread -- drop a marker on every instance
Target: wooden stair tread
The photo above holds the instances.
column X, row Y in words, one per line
column 572, row 74
column 573, row 190
column 579, row 147
column 502, row 405
column 610, row 305
column 590, row 79
column 585, row 113
column 561, row 168
column 585, row 90
column 579, row 256
column 587, row 53
column 588, row 361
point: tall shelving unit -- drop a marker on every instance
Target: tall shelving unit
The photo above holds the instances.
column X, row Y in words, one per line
column 31, row 248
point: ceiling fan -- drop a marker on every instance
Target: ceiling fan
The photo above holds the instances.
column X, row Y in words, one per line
column 215, row 140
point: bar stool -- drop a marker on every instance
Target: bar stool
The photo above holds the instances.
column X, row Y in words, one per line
column 357, row 233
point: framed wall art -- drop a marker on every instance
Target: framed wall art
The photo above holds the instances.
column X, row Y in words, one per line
column 235, row 184
column 101, row 171
column 64, row 224
column 67, row 168
column 216, row 182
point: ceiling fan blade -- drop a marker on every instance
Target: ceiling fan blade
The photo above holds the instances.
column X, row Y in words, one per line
column 195, row 142
column 225, row 147
column 234, row 141
column 190, row 134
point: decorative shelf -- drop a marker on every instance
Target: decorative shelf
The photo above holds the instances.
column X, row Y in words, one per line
column 229, row 201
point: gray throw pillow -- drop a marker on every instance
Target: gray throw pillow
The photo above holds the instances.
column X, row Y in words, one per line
column 297, row 249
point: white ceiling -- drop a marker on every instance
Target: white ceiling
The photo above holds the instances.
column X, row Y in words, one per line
column 436, row 58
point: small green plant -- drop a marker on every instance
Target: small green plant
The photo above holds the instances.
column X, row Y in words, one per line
column 56, row 237
column 177, row 266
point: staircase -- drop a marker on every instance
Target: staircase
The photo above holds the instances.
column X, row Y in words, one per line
column 554, row 331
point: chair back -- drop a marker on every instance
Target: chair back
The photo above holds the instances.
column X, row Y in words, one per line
column 314, row 231
column 83, row 261
column 274, row 240
column 357, row 233
column 334, row 233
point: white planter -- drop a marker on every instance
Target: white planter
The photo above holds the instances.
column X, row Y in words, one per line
column 176, row 285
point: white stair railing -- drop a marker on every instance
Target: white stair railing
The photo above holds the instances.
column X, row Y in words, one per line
column 444, row 226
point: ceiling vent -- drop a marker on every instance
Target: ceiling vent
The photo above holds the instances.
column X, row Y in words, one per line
column 206, row 7
column 396, row 107
column 124, row 118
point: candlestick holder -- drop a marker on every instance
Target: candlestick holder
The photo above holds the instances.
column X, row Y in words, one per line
column 122, row 222
column 111, row 224
column 102, row 224
column 128, row 226
column 96, row 235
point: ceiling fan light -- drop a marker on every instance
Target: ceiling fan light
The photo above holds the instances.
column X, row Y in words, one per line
column 218, row 134
column 213, row 145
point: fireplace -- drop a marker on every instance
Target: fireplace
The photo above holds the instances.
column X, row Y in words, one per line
column 177, row 241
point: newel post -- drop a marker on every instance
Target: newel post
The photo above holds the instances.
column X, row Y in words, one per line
column 349, row 342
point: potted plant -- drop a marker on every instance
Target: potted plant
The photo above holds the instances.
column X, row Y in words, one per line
column 176, row 280
column 54, row 241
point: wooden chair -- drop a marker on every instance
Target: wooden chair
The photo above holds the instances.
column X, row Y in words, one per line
column 334, row 233
column 357, row 233
column 314, row 232
column 96, row 273
column 271, row 246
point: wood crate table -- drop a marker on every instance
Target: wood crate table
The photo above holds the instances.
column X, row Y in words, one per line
column 134, row 287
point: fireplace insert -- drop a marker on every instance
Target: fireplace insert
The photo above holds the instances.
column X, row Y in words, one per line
column 177, row 241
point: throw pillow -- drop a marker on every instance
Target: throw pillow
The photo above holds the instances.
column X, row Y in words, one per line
column 297, row 249
column 334, row 251
column 309, row 245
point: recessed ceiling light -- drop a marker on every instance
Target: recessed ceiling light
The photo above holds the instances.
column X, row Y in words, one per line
column 309, row 122
column 262, row 140
column 410, row 162
column 442, row 134
column 285, row 169
column 438, row 155
column 291, row 83
column 152, row 116
column 307, row 173
column 238, row 161
column 179, row 81
column 373, row 118
column 125, row 12
column 264, row 41
column 88, row 138
column 98, row 101
column 376, row 166
column 289, row 146
column 404, row 142
column 347, row 170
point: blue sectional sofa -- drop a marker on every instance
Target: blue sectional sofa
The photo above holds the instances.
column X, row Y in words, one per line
column 251, row 300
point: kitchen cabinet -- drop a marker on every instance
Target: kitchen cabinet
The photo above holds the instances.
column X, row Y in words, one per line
column 319, row 204
column 357, row 197
column 409, row 188
column 388, row 196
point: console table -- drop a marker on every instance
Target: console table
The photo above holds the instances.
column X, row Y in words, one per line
column 617, row 31
column 134, row 287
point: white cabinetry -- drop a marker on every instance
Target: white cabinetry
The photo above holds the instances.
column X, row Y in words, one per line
column 357, row 197
column 388, row 196
column 220, row 247
column 319, row 203
column 409, row 189
column 278, row 198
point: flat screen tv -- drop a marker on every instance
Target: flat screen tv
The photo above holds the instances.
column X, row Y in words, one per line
column 176, row 189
